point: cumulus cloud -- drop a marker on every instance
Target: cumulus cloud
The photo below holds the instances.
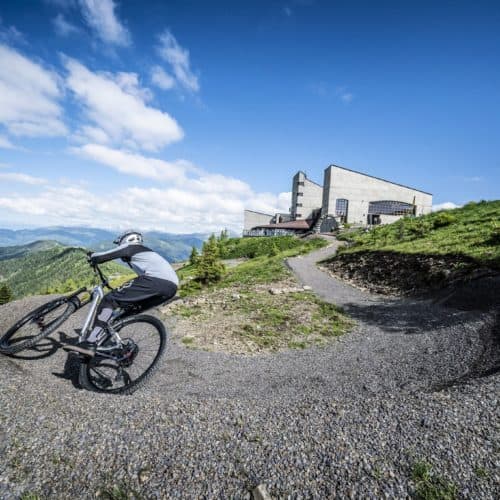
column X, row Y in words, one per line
column 178, row 58
column 447, row 205
column 185, row 199
column 133, row 164
column 22, row 178
column 161, row 78
column 116, row 107
column 101, row 17
column 173, row 209
column 63, row 27
column 29, row 96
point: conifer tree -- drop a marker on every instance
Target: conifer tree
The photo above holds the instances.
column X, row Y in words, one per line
column 194, row 257
column 209, row 268
column 5, row 293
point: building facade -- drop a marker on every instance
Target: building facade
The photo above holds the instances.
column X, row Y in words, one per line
column 346, row 196
column 306, row 197
column 362, row 199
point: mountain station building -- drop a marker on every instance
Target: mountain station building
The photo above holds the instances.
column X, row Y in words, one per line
column 346, row 196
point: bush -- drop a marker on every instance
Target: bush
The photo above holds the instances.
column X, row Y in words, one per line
column 5, row 294
column 443, row 219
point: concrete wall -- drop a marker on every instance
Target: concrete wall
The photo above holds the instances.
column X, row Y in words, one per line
column 307, row 196
column 360, row 189
column 252, row 219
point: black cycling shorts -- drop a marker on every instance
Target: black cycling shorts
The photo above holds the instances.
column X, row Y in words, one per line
column 144, row 291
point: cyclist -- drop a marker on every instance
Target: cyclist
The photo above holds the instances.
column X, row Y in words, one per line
column 156, row 282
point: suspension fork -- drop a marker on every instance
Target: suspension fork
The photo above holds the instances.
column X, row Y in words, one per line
column 97, row 296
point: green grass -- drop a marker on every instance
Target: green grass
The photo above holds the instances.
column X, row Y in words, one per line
column 295, row 320
column 430, row 486
column 256, row 270
column 472, row 231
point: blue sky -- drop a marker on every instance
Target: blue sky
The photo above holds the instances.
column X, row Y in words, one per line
column 177, row 115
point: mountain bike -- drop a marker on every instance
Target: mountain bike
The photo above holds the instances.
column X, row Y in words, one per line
column 126, row 356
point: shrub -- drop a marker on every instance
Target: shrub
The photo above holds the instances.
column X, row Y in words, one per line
column 443, row 219
column 5, row 294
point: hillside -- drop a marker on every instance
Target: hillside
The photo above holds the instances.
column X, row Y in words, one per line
column 413, row 255
column 58, row 269
column 174, row 247
column 15, row 251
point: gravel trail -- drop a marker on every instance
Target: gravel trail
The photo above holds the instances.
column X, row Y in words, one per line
column 346, row 421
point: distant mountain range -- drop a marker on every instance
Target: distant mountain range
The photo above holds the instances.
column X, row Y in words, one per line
column 174, row 247
column 49, row 267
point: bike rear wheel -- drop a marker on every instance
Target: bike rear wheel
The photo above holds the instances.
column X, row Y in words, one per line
column 36, row 325
column 124, row 370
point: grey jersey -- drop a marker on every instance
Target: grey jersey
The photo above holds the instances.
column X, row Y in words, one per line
column 143, row 260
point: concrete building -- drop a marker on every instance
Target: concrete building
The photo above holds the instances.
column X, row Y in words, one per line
column 346, row 196
column 307, row 197
column 357, row 198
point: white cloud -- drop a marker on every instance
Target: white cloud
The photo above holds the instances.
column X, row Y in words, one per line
column 175, row 209
column 287, row 11
column 100, row 16
column 29, row 96
column 178, row 58
column 191, row 200
column 161, row 78
column 133, row 164
column 129, row 83
column 5, row 143
column 447, row 205
column 63, row 27
column 116, row 108
column 23, row 178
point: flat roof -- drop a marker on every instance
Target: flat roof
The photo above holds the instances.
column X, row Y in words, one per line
column 255, row 212
column 378, row 178
column 294, row 224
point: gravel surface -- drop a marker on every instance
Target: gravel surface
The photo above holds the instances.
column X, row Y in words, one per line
column 346, row 421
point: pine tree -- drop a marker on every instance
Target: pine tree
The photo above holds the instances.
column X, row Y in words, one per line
column 194, row 257
column 209, row 268
column 5, row 293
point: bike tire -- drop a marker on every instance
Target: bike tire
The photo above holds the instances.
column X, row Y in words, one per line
column 89, row 366
column 8, row 343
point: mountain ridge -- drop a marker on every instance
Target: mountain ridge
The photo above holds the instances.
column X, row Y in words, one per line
column 174, row 247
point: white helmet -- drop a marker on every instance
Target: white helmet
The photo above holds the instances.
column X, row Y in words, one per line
column 130, row 236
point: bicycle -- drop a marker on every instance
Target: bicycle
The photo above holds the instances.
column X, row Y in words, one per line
column 117, row 365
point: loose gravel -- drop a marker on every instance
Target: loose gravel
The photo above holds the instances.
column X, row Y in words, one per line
column 346, row 421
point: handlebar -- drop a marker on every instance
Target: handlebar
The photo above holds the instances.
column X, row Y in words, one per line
column 98, row 272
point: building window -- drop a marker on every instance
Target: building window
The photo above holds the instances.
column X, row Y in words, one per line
column 298, row 204
column 390, row 207
column 341, row 209
column 300, row 183
column 300, row 194
column 298, row 215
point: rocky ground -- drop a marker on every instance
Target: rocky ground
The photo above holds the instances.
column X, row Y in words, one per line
column 413, row 387
column 393, row 273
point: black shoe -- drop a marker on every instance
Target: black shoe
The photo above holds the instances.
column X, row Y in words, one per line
column 85, row 347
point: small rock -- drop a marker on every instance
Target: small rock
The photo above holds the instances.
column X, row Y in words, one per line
column 261, row 493
column 307, row 287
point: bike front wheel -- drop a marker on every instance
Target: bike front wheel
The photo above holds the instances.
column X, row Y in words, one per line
column 123, row 370
column 36, row 325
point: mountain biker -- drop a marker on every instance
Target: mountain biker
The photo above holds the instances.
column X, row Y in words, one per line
column 156, row 282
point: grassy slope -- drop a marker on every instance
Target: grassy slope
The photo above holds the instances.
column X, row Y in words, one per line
column 56, row 270
column 471, row 231
column 261, row 267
